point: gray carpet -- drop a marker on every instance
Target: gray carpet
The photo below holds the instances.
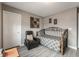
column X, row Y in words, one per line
column 42, row 51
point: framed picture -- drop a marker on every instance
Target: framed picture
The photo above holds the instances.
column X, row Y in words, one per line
column 34, row 22
column 50, row 20
column 55, row 21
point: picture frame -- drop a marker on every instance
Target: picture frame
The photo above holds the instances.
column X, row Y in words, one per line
column 55, row 21
column 50, row 20
column 34, row 22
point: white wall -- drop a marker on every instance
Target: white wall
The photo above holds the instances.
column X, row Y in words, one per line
column 66, row 19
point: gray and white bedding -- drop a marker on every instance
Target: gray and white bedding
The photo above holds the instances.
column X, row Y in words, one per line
column 51, row 42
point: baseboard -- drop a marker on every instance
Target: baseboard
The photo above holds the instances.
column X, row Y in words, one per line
column 72, row 47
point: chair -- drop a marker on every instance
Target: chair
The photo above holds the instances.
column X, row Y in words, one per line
column 31, row 43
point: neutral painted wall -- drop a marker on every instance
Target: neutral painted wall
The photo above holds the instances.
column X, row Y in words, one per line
column 0, row 25
column 25, row 20
column 26, row 25
column 66, row 19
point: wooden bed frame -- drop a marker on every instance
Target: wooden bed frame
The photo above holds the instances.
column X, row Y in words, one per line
column 64, row 42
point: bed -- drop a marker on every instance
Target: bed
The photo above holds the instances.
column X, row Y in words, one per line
column 54, row 38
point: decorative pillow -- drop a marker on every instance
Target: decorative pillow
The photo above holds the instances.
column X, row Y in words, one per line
column 53, row 33
column 29, row 37
column 41, row 32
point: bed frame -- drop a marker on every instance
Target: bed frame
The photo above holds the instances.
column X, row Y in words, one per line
column 64, row 42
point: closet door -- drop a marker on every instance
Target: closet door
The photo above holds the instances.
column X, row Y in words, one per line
column 11, row 29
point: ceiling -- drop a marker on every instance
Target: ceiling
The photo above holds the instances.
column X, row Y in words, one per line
column 43, row 9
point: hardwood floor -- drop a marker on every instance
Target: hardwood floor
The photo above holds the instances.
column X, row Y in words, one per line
column 42, row 51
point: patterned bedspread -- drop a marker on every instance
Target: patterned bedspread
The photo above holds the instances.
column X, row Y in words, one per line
column 51, row 42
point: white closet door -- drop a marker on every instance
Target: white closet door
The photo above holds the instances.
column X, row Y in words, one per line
column 11, row 29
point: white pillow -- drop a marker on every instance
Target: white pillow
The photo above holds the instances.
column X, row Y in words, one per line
column 29, row 37
column 53, row 33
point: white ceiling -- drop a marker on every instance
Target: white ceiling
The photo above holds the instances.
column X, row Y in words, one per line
column 43, row 9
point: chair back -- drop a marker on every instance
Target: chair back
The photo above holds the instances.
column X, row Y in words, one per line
column 29, row 33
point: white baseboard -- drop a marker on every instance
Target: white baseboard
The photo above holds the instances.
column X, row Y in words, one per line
column 72, row 47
